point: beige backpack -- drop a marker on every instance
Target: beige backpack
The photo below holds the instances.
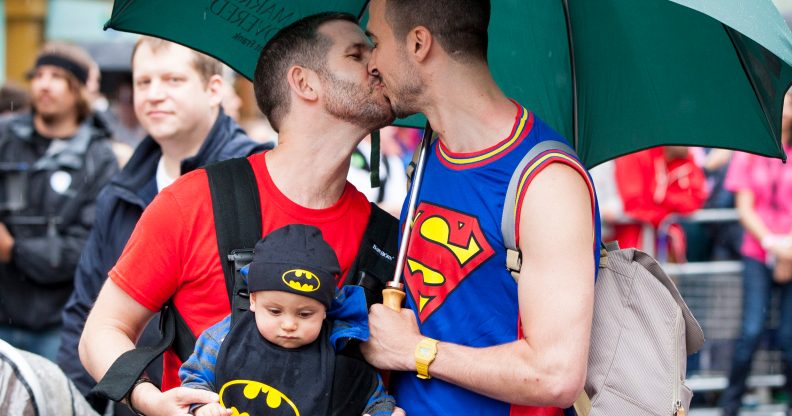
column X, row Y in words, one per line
column 642, row 331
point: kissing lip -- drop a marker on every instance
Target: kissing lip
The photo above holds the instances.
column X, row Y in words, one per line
column 377, row 83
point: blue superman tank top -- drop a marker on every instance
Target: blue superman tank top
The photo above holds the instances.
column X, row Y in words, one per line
column 455, row 275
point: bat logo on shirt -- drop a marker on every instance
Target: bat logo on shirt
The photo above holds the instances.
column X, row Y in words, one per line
column 260, row 398
column 301, row 280
column 445, row 247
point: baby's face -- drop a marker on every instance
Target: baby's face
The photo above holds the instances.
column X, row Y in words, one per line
column 286, row 319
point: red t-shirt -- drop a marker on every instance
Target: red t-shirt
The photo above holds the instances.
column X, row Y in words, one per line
column 173, row 249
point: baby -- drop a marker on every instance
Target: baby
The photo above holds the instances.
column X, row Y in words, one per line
column 286, row 358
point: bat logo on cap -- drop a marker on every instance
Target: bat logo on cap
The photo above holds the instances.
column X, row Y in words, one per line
column 301, row 280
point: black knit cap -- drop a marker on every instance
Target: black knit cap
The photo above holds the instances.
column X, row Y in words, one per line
column 295, row 259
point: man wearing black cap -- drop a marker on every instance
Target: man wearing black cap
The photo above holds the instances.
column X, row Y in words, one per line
column 286, row 344
column 65, row 160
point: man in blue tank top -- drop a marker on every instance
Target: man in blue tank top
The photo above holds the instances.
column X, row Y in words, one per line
column 475, row 341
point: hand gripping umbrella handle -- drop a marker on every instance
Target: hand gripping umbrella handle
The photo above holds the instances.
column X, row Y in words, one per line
column 393, row 295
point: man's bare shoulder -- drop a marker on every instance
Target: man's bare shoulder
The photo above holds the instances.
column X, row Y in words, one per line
column 557, row 179
column 558, row 202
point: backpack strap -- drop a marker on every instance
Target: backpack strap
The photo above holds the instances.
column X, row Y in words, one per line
column 237, row 213
column 509, row 216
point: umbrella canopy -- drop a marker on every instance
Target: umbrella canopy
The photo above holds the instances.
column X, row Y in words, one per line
column 613, row 76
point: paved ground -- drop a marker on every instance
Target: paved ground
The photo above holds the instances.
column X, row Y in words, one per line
column 767, row 410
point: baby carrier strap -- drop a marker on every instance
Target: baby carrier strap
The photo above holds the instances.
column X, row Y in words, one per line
column 127, row 368
column 375, row 262
column 237, row 215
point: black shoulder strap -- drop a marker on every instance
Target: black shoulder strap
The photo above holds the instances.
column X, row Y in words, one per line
column 237, row 215
column 127, row 368
column 376, row 258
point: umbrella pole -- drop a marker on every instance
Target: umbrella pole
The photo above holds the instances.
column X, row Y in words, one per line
column 393, row 294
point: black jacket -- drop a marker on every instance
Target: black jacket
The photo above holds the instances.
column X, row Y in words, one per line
column 51, row 230
column 119, row 207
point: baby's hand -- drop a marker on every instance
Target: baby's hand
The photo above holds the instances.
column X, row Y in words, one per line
column 212, row 409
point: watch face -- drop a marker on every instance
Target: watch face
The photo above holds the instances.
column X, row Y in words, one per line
column 423, row 351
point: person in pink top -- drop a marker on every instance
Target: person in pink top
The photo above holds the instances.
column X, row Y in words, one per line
column 763, row 189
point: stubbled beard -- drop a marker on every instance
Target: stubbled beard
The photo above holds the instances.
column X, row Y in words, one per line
column 404, row 94
column 356, row 104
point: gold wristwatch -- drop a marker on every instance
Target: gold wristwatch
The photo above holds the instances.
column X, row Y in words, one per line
column 425, row 353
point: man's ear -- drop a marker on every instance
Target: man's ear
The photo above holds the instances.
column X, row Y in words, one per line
column 303, row 82
column 215, row 87
column 419, row 43
column 253, row 302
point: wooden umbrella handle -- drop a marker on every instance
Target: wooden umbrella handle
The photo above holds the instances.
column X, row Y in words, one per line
column 393, row 297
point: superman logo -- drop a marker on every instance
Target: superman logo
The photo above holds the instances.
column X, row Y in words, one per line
column 445, row 247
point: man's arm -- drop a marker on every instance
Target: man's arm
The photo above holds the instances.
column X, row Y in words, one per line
column 556, row 299
column 112, row 328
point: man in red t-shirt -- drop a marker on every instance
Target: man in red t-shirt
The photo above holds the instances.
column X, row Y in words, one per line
column 312, row 83
column 654, row 184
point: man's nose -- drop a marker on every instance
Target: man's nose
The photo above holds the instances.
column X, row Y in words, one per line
column 155, row 92
column 372, row 67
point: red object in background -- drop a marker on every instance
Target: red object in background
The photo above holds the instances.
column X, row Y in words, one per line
column 653, row 184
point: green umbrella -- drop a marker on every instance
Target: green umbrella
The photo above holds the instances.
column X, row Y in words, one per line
column 613, row 76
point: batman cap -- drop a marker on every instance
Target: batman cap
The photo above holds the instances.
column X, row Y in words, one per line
column 295, row 259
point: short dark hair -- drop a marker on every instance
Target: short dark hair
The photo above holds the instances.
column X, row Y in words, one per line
column 300, row 43
column 460, row 26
